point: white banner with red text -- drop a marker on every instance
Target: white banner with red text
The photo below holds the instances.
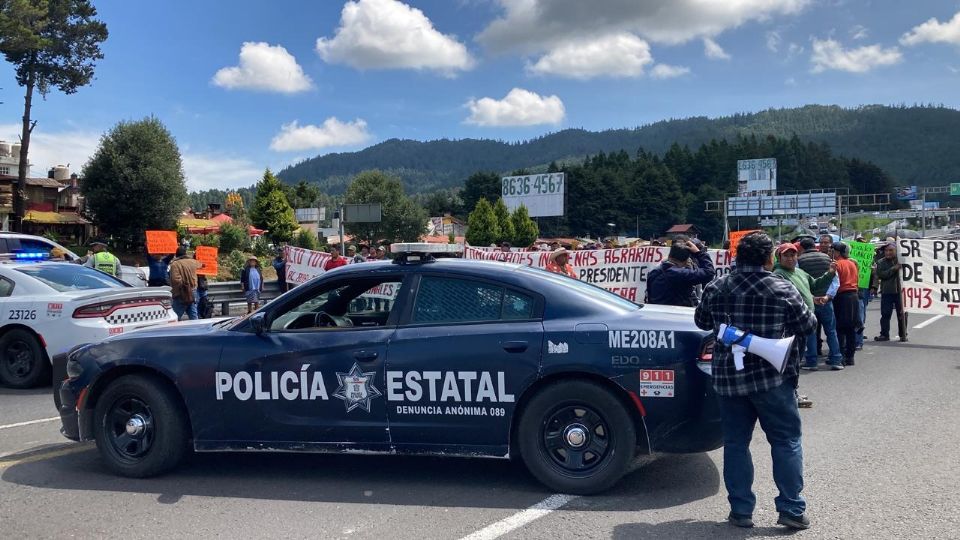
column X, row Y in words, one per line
column 621, row 270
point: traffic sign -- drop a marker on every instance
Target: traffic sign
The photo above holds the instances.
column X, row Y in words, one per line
column 955, row 190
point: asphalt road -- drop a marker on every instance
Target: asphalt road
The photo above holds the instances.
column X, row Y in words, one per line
column 881, row 444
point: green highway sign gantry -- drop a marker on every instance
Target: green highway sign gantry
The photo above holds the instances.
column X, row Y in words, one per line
column 955, row 190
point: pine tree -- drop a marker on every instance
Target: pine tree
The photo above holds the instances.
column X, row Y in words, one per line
column 482, row 226
column 525, row 230
column 502, row 214
column 272, row 211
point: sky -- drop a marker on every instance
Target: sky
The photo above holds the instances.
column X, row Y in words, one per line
column 245, row 85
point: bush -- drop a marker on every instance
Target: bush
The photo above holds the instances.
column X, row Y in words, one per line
column 211, row 240
column 261, row 247
column 306, row 239
column 233, row 237
column 235, row 262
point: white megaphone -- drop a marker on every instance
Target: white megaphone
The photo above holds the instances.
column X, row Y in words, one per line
column 775, row 351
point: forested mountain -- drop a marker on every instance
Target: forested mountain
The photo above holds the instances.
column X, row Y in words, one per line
column 914, row 145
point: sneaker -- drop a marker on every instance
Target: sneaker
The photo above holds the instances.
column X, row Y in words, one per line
column 882, row 338
column 859, row 347
column 740, row 520
column 836, row 367
column 804, row 402
column 809, row 367
column 903, row 340
column 848, row 361
column 794, row 522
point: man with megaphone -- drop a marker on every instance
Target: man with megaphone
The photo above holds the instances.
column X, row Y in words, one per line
column 760, row 320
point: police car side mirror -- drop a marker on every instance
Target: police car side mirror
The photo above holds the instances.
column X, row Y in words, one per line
column 259, row 323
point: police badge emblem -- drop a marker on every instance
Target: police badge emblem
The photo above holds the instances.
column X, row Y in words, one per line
column 356, row 388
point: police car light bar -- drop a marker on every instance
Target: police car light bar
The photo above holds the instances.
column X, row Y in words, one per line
column 25, row 256
column 418, row 252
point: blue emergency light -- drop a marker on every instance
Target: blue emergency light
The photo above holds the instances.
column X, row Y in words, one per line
column 31, row 256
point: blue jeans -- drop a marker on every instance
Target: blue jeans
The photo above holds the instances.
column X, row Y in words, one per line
column 825, row 315
column 780, row 420
column 864, row 295
column 180, row 307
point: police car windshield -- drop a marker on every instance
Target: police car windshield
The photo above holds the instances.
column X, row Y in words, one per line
column 592, row 291
column 65, row 277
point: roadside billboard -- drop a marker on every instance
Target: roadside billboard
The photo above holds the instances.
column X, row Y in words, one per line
column 542, row 194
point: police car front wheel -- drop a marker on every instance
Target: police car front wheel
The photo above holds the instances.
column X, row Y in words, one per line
column 141, row 428
column 577, row 437
column 22, row 362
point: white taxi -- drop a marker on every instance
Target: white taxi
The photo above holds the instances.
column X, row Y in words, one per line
column 46, row 308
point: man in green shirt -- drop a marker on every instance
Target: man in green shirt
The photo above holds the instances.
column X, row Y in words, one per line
column 805, row 283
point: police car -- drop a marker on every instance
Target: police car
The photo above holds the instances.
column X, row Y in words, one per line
column 47, row 308
column 14, row 243
column 415, row 356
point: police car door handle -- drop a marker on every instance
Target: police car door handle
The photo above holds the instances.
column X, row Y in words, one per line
column 365, row 356
column 515, row 346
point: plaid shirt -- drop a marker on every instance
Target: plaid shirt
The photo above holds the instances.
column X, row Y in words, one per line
column 767, row 305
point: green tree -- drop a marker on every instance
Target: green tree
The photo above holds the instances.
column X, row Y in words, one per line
column 525, row 230
column 303, row 194
column 50, row 43
column 134, row 181
column 271, row 211
column 402, row 220
column 306, row 239
column 482, row 226
column 480, row 185
column 504, row 223
column 233, row 237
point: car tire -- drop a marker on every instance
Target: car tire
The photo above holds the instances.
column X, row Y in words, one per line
column 140, row 426
column 23, row 363
column 577, row 437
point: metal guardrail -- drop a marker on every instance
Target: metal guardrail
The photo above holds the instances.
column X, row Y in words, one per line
column 224, row 293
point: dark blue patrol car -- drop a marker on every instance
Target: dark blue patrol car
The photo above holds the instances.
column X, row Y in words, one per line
column 417, row 356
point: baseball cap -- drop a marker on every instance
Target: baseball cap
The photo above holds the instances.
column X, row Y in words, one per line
column 785, row 247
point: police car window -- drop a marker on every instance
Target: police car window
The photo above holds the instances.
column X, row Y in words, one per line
column 63, row 277
column 445, row 300
column 6, row 287
column 353, row 304
column 29, row 245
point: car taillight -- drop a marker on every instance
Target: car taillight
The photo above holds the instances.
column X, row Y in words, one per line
column 705, row 360
column 104, row 309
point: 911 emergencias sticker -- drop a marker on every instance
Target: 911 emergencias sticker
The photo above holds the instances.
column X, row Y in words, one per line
column 656, row 383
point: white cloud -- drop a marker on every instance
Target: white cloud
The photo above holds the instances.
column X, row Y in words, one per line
column 773, row 41
column 794, row 50
column 537, row 25
column 387, row 34
column 264, row 67
column 934, row 31
column 829, row 54
column 206, row 171
column 616, row 55
column 332, row 132
column 519, row 108
column 666, row 71
column 859, row 32
column 713, row 50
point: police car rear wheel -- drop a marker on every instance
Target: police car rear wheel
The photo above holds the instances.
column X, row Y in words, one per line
column 22, row 362
column 577, row 437
column 140, row 427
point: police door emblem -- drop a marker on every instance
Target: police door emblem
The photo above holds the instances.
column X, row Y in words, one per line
column 356, row 388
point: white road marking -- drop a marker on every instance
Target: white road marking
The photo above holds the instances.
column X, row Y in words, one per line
column 30, row 423
column 928, row 322
column 537, row 511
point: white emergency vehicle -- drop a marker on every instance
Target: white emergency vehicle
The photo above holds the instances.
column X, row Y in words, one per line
column 46, row 308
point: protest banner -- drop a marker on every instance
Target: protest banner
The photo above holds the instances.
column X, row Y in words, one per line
column 621, row 270
column 735, row 237
column 162, row 242
column 208, row 257
column 303, row 264
column 863, row 252
column 930, row 271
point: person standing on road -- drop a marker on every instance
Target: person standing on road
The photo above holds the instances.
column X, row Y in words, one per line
column 335, row 260
column 559, row 263
column 183, row 284
column 280, row 266
column 753, row 298
column 863, row 296
column 102, row 260
column 673, row 283
column 815, row 262
column 251, row 281
column 159, row 266
column 805, row 284
column 888, row 272
column 846, row 305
